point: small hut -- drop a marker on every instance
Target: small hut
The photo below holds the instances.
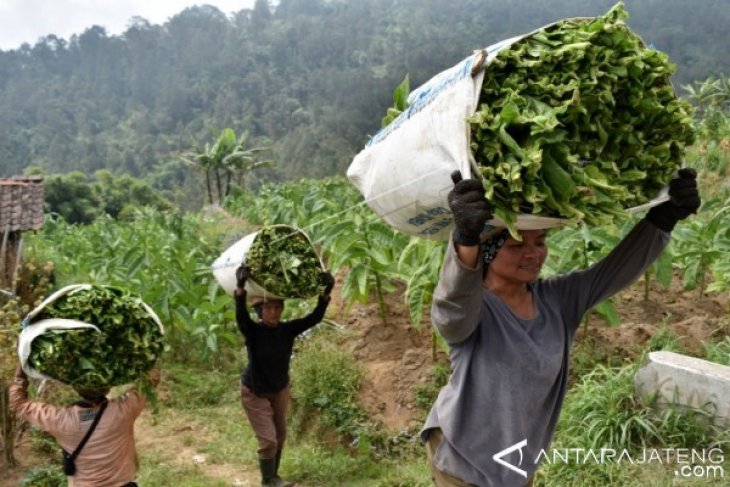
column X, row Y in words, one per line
column 21, row 209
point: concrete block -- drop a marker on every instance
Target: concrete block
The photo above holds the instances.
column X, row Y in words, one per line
column 686, row 382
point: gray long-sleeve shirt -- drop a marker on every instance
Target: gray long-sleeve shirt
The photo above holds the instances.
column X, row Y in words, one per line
column 509, row 375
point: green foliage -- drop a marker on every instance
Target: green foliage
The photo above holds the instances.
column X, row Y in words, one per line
column 125, row 348
column 311, row 83
column 11, row 314
column 122, row 194
column 588, row 352
column 712, row 98
column 718, row 352
column 79, row 199
column 578, row 121
column 225, row 162
column 72, row 197
column 369, row 249
column 45, row 443
column 326, row 380
column 664, row 339
column 420, row 263
column 164, row 258
column 45, row 477
column 190, row 388
column 426, row 394
column 400, row 102
column 602, row 411
column 702, row 243
column 313, row 205
column 281, row 260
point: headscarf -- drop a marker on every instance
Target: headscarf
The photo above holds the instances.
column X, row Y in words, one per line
column 491, row 246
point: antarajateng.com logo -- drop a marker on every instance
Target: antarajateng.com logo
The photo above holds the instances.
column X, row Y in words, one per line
column 686, row 462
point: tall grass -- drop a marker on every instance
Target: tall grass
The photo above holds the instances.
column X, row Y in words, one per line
column 603, row 411
column 719, row 352
column 325, row 382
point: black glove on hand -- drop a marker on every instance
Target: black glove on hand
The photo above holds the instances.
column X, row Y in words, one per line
column 684, row 199
column 470, row 209
column 329, row 282
column 241, row 276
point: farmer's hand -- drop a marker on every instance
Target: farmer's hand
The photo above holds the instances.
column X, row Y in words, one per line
column 20, row 373
column 21, row 377
column 684, row 199
column 470, row 209
column 329, row 283
column 241, row 276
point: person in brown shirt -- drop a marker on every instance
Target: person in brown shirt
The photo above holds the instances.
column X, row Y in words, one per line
column 109, row 458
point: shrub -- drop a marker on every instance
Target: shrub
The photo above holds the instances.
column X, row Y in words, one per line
column 326, row 380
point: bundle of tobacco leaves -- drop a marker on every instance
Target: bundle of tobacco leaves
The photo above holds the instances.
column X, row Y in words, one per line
column 128, row 346
column 282, row 261
column 579, row 121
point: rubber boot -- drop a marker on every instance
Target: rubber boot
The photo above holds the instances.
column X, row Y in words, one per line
column 282, row 483
column 268, row 471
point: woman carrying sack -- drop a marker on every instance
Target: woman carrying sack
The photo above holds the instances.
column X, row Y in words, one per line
column 96, row 434
column 265, row 390
column 510, row 333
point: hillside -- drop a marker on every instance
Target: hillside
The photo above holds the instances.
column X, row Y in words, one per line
column 308, row 79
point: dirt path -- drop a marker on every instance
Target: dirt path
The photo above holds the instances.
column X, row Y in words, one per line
column 172, row 441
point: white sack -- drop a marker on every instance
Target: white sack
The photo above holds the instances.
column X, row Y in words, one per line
column 32, row 329
column 404, row 170
column 224, row 267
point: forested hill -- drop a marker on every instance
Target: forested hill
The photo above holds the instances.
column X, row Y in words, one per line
column 309, row 78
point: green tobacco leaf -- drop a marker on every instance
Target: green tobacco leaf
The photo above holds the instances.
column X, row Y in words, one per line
column 283, row 261
column 583, row 112
column 128, row 344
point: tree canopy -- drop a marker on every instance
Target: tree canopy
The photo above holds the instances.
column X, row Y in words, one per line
column 309, row 79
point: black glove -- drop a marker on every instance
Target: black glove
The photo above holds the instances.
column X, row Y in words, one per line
column 470, row 209
column 241, row 276
column 684, row 199
column 329, row 282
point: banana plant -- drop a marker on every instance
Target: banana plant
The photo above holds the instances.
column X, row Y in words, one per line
column 227, row 155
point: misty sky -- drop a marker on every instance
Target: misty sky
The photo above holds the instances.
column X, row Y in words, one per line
column 27, row 20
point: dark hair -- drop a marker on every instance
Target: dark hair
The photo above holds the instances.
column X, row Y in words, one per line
column 93, row 395
column 259, row 308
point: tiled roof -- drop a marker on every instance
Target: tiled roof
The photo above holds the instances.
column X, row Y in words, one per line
column 21, row 204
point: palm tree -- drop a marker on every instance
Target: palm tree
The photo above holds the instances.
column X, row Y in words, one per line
column 239, row 163
column 202, row 161
column 228, row 155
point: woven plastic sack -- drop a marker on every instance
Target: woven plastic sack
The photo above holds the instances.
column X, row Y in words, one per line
column 404, row 170
column 32, row 328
